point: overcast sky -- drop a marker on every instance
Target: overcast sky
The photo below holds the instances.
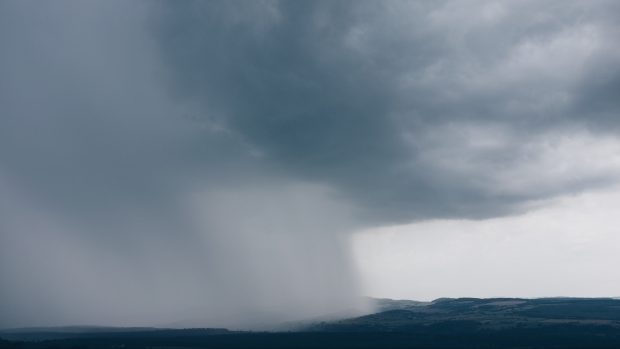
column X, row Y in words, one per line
column 243, row 164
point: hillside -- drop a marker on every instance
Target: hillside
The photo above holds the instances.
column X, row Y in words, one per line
column 443, row 323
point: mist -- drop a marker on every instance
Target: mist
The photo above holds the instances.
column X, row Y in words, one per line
column 120, row 208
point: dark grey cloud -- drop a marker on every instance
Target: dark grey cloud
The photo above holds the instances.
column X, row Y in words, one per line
column 202, row 163
column 345, row 93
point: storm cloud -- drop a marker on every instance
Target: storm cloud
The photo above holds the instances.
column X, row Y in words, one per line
column 204, row 163
column 412, row 110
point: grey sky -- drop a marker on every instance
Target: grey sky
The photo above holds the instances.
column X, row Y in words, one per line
column 160, row 161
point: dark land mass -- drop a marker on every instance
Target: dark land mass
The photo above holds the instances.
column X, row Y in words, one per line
column 443, row 323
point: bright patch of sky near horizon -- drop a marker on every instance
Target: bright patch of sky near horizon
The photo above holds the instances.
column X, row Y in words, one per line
column 567, row 247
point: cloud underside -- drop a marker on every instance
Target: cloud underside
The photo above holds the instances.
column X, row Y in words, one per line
column 411, row 110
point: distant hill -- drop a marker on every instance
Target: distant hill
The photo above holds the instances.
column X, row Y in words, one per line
column 489, row 314
column 385, row 304
column 84, row 332
column 443, row 323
